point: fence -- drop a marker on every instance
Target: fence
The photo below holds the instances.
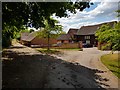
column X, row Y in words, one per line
column 69, row 45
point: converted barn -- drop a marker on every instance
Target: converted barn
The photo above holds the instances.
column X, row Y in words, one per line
column 30, row 39
column 86, row 34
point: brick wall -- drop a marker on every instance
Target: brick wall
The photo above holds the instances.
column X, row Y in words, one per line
column 66, row 41
column 69, row 45
column 43, row 41
column 62, row 41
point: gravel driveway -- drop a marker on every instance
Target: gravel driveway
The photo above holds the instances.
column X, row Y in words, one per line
column 90, row 58
column 25, row 67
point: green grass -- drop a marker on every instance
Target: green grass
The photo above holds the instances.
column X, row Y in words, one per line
column 69, row 49
column 112, row 62
column 51, row 51
column 60, row 48
column 55, row 50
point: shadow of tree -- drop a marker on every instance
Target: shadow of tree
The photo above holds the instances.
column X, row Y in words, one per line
column 115, row 71
column 32, row 71
column 17, row 47
column 114, row 66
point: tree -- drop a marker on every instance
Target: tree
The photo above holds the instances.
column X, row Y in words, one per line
column 118, row 11
column 115, row 38
column 109, row 35
column 63, row 32
column 50, row 31
column 8, row 34
column 33, row 14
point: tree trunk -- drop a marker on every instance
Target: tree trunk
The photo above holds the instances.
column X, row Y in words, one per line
column 112, row 51
column 48, row 42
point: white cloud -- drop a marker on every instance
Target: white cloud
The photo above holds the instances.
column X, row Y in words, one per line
column 105, row 11
column 104, row 0
column 104, row 8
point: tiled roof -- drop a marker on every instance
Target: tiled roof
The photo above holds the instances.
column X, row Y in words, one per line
column 28, row 36
column 90, row 30
column 72, row 31
column 64, row 37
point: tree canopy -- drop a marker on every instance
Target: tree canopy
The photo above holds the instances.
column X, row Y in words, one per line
column 109, row 35
column 118, row 11
column 33, row 13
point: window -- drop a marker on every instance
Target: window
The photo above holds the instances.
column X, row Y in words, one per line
column 87, row 37
column 87, row 41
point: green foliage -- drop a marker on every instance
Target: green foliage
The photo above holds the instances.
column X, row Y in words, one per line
column 109, row 35
column 49, row 29
column 9, row 33
column 31, row 30
column 18, row 34
column 63, row 32
column 106, row 46
column 101, row 33
column 34, row 13
column 25, row 30
column 118, row 11
column 14, row 14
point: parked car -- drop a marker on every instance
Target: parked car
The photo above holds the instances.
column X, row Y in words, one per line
column 59, row 44
column 86, row 45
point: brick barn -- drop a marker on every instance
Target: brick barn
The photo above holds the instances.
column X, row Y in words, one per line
column 30, row 39
column 64, row 38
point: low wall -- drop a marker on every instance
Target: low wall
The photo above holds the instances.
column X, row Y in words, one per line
column 69, row 45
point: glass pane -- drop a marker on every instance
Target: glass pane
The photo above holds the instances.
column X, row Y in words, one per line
column 88, row 41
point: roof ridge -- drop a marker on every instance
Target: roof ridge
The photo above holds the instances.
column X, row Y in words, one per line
column 88, row 30
column 99, row 24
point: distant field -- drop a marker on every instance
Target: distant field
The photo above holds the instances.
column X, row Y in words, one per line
column 112, row 61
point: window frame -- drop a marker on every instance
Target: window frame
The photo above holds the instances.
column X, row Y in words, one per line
column 87, row 37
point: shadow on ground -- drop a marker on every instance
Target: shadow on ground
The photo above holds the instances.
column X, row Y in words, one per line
column 23, row 70
column 16, row 47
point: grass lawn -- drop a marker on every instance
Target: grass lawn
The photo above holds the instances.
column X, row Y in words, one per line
column 51, row 51
column 55, row 50
column 78, row 49
column 112, row 61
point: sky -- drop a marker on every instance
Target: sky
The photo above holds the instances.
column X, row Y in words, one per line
column 102, row 11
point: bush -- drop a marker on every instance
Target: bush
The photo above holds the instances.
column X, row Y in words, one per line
column 106, row 47
column 6, row 41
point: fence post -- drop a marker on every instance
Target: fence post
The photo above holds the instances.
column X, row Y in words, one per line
column 80, row 44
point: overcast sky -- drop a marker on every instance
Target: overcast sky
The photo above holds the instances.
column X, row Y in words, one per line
column 102, row 11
